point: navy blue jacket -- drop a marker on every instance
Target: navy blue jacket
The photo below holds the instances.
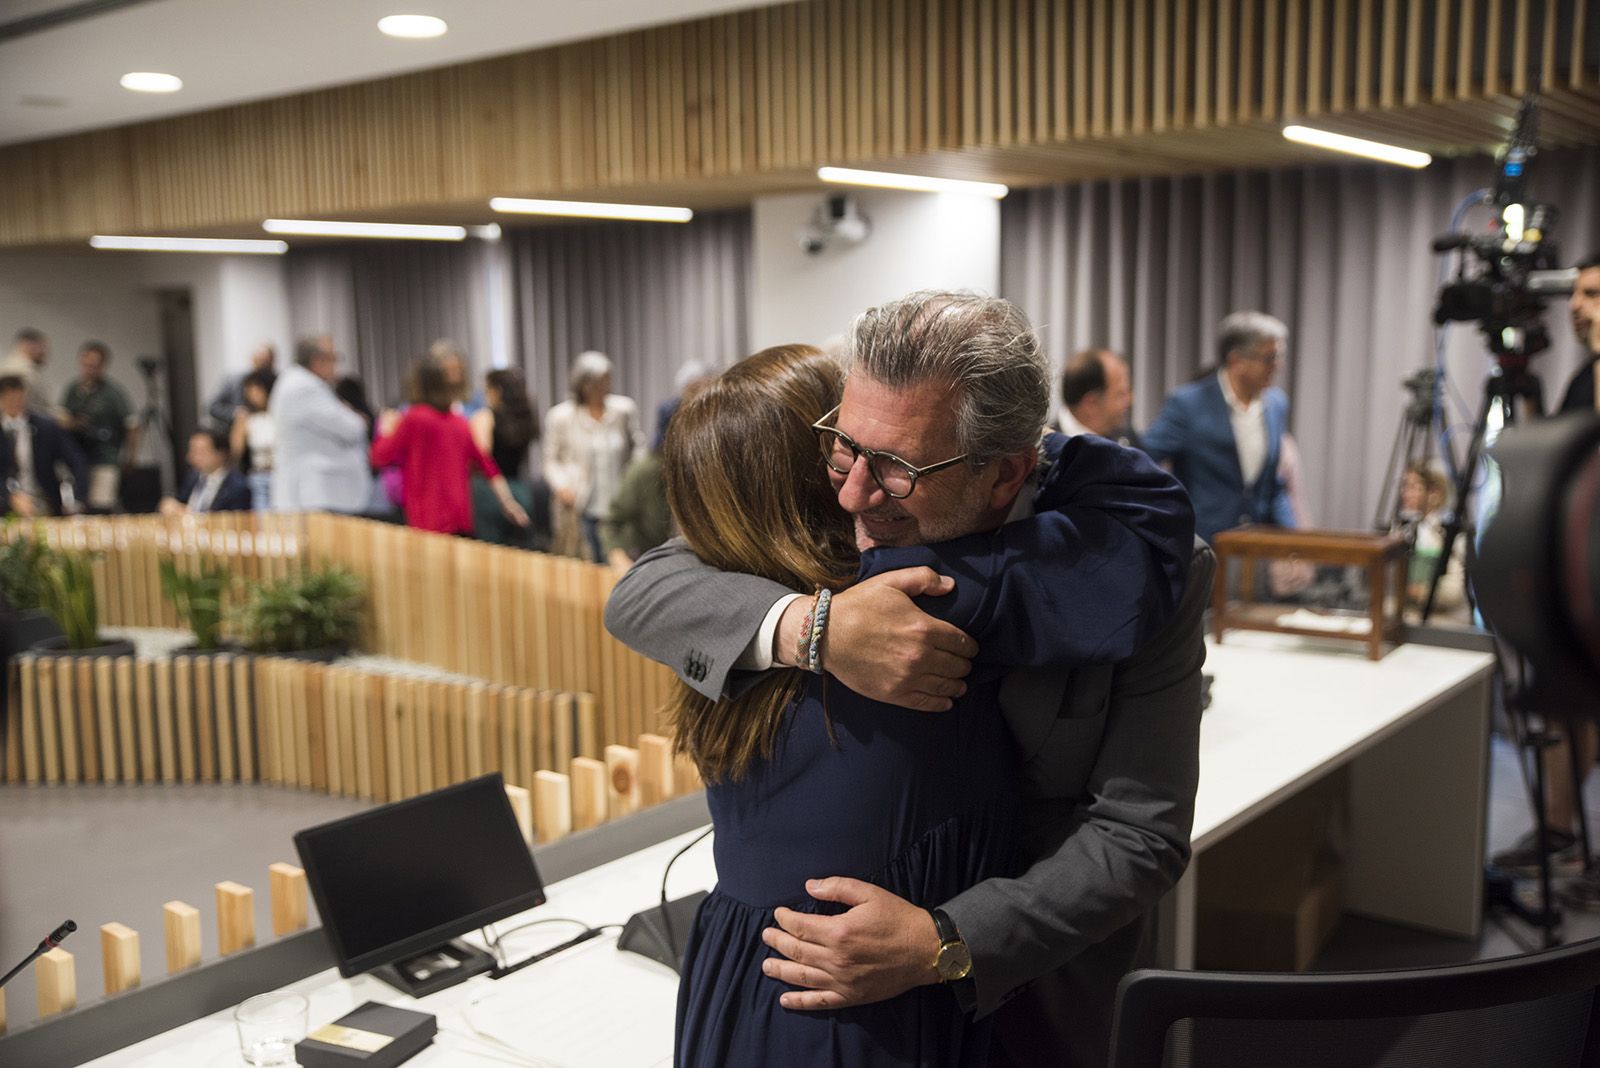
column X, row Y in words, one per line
column 51, row 446
column 232, row 496
column 1194, row 433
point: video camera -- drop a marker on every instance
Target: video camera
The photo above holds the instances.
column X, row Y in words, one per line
column 1515, row 262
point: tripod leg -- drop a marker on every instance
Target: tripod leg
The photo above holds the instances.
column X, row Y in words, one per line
column 1458, row 510
column 1576, row 752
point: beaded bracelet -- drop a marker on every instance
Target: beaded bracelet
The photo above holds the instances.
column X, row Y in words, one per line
column 802, row 644
column 818, row 628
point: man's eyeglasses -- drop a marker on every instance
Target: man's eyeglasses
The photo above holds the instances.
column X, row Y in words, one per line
column 894, row 476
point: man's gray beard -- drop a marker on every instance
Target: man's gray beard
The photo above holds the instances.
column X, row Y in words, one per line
column 965, row 519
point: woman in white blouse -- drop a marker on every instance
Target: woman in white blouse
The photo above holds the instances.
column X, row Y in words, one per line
column 589, row 441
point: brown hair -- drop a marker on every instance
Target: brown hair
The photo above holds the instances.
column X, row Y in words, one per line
column 1435, row 488
column 428, row 384
column 748, row 491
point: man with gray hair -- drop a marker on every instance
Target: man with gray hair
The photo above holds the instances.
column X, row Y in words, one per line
column 939, row 434
column 319, row 460
column 1222, row 434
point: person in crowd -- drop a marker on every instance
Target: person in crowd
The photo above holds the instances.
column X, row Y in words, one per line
column 30, row 350
column 1096, row 396
column 639, row 518
column 1424, row 507
column 1562, row 794
column 691, row 375
column 319, row 443
column 34, row 451
column 937, row 435
column 504, row 429
column 212, row 485
column 100, row 417
column 454, row 361
column 252, row 435
column 589, row 442
column 1222, row 433
column 230, row 402
column 434, row 450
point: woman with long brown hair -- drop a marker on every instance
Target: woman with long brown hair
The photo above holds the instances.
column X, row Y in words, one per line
column 807, row 778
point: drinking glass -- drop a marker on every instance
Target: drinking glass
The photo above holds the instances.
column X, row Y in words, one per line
column 269, row 1027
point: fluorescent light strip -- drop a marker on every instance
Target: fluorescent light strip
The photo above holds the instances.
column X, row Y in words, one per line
column 917, row 183
column 1357, row 146
column 325, row 228
column 190, row 244
column 582, row 209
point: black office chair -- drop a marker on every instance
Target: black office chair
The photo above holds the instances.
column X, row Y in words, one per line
column 1537, row 1010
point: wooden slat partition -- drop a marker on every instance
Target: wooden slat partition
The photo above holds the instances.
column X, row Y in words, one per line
column 508, row 616
column 733, row 105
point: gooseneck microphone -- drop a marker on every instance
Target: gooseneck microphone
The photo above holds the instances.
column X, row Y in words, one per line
column 51, row 941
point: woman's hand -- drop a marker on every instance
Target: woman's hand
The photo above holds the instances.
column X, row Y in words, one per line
column 514, row 512
column 387, row 421
column 567, row 496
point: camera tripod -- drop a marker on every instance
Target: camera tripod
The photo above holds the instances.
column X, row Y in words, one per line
column 1413, row 443
column 1511, row 391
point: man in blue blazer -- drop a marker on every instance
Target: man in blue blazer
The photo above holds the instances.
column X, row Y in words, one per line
column 1222, row 434
column 33, row 450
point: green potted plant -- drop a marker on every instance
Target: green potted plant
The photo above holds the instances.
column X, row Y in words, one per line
column 197, row 596
column 23, row 620
column 314, row 615
column 68, row 595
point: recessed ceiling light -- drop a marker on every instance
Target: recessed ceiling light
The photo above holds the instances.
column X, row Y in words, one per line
column 917, row 183
column 1357, row 146
column 412, row 26
column 584, row 209
column 189, row 244
column 330, row 228
column 149, row 81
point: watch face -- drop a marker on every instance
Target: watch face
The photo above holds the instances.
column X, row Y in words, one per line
column 954, row 962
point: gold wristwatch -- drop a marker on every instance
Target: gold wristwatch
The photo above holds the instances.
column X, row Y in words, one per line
column 955, row 959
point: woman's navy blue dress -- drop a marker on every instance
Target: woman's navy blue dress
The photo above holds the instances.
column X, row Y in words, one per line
column 921, row 804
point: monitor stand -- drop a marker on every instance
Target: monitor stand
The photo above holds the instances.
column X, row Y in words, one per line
column 435, row 969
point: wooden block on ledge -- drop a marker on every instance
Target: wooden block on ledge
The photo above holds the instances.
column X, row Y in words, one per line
column 57, row 979
column 236, row 917
column 182, row 928
column 588, row 793
column 288, row 889
column 119, row 955
column 622, row 780
column 655, row 769
column 522, row 807
column 552, row 805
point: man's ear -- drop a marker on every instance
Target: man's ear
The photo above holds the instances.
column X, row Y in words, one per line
column 1010, row 473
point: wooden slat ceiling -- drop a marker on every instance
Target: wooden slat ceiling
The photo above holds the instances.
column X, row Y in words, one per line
column 714, row 112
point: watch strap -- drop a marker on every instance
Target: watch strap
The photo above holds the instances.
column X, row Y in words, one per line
column 945, row 926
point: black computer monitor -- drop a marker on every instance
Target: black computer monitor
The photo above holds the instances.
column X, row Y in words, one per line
column 396, row 884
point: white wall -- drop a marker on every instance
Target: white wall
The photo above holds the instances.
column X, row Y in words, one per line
column 238, row 302
column 918, row 241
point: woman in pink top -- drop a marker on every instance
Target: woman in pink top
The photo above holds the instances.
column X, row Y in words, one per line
column 434, row 450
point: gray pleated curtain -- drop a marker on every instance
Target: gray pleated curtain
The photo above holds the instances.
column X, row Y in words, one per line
column 649, row 295
column 1340, row 253
column 386, row 302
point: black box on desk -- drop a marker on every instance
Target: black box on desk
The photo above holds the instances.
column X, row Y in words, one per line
column 369, row 1036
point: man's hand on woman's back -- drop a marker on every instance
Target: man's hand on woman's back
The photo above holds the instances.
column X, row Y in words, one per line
column 882, row 646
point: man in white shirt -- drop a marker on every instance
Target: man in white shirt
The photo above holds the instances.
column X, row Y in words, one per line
column 29, row 351
column 320, row 445
column 1222, row 434
column 1096, row 396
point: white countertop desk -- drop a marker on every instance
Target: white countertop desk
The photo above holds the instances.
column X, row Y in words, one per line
column 1412, row 727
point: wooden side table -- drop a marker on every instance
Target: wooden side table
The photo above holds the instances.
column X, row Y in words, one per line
column 1382, row 556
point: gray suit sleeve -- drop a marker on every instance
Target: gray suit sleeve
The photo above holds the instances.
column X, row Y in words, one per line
column 685, row 614
column 1124, row 841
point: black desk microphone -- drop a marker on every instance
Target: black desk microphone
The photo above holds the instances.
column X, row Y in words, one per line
column 52, row 940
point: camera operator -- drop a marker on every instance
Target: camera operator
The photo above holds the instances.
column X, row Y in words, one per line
column 97, row 413
column 1562, row 794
